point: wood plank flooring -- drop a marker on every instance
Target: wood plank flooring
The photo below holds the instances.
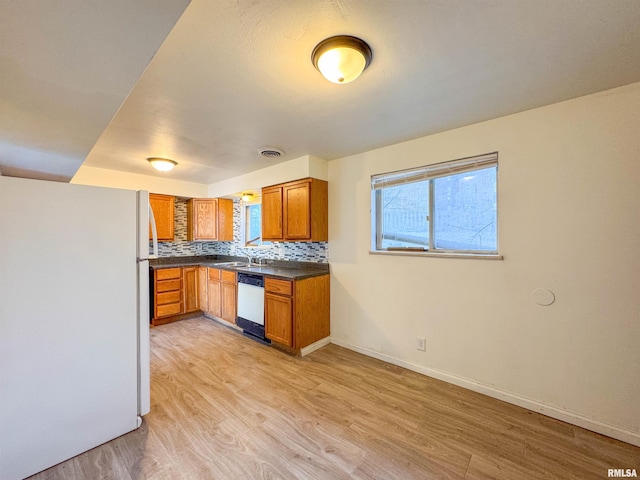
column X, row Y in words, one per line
column 225, row 407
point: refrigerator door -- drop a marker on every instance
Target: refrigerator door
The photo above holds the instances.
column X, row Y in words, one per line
column 144, row 364
column 145, row 215
column 68, row 321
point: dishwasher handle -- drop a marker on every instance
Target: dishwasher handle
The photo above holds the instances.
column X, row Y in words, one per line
column 251, row 279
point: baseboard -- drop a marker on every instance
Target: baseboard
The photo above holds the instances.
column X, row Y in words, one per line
column 315, row 346
column 566, row 416
column 233, row 326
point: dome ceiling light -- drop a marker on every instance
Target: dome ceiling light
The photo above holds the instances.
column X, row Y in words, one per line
column 341, row 59
column 162, row 164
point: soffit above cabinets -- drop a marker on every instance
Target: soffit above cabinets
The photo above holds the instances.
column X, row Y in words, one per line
column 66, row 68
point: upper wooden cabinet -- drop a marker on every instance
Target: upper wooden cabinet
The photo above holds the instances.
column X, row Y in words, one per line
column 202, row 219
column 272, row 213
column 296, row 211
column 163, row 213
column 210, row 219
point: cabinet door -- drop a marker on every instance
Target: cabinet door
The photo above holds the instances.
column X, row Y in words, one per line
column 225, row 220
column 214, row 306
column 229, row 302
column 202, row 288
column 163, row 212
column 297, row 211
column 214, row 292
column 272, row 213
column 278, row 313
column 202, row 219
column 190, row 289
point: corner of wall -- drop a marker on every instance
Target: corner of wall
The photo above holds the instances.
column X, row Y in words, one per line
column 301, row 167
column 318, row 168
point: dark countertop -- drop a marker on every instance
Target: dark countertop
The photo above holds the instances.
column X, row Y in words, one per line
column 274, row 268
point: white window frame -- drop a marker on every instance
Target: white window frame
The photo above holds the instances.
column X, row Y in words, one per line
column 243, row 222
column 428, row 173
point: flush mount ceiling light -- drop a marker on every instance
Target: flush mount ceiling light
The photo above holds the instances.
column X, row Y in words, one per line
column 162, row 164
column 247, row 196
column 341, row 59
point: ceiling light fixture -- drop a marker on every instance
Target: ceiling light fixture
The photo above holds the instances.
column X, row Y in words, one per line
column 247, row 196
column 162, row 164
column 341, row 59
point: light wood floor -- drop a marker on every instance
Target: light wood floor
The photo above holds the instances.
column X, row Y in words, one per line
column 225, row 407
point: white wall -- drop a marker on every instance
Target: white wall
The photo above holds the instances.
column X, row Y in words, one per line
column 103, row 177
column 302, row 167
column 569, row 221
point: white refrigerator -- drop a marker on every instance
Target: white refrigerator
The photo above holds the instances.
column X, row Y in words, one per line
column 74, row 320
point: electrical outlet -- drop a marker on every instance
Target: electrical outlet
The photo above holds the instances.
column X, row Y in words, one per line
column 421, row 344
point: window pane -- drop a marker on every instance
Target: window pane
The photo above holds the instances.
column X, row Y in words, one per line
column 466, row 211
column 405, row 211
column 253, row 224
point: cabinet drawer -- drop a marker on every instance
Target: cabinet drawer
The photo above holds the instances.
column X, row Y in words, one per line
column 283, row 287
column 171, row 309
column 168, row 297
column 228, row 277
column 168, row 273
column 168, row 285
column 214, row 273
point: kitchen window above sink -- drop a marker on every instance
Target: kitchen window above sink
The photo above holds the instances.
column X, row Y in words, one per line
column 251, row 223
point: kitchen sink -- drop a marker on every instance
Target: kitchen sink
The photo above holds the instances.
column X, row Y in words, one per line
column 236, row 264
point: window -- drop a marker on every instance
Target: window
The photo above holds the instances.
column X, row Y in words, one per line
column 252, row 223
column 448, row 207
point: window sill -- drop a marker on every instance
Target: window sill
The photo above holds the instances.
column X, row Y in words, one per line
column 488, row 256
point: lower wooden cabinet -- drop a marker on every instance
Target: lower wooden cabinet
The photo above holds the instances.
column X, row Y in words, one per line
column 202, row 288
column 167, row 293
column 229, row 296
column 278, row 312
column 214, row 291
column 297, row 312
column 190, row 289
column 222, row 294
column 176, row 293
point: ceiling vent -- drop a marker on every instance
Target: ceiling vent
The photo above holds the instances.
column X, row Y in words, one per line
column 270, row 152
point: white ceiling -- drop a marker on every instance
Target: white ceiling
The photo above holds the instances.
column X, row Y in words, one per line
column 234, row 76
column 66, row 66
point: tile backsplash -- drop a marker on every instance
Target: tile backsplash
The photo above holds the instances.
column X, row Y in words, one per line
column 297, row 251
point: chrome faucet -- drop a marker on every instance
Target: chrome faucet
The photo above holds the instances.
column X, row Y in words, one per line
column 249, row 258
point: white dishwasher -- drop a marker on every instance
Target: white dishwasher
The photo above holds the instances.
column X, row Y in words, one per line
column 251, row 306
